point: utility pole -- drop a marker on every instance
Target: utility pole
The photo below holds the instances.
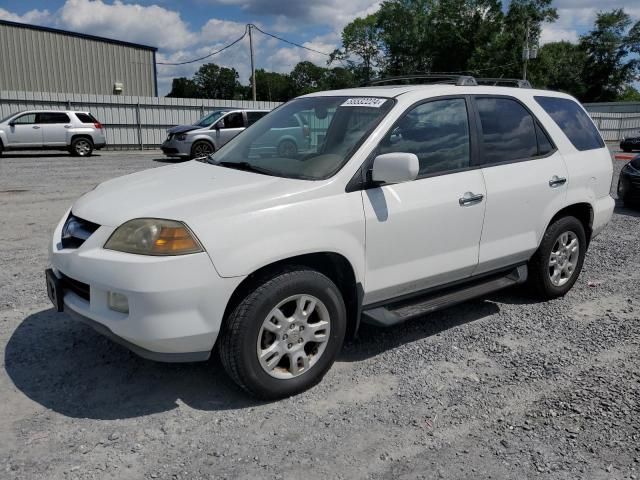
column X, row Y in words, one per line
column 525, row 51
column 253, row 69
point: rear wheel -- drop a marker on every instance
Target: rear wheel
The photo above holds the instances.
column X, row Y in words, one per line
column 555, row 267
column 284, row 336
column 81, row 147
column 201, row 148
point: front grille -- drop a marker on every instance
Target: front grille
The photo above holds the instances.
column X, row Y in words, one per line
column 76, row 231
column 81, row 289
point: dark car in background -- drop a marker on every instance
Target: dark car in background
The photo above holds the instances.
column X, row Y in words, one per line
column 630, row 142
column 629, row 183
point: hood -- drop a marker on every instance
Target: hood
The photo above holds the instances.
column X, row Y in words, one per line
column 183, row 192
column 183, row 128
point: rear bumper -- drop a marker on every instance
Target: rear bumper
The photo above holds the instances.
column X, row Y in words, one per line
column 602, row 213
column 631, row 144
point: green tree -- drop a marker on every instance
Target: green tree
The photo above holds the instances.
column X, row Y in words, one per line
column 306, row 77
column 184, row 88
column 273, row 87
column 361, row 39
column 629, row 94
column 217, row 82
column 610, row 64
column 560, row 66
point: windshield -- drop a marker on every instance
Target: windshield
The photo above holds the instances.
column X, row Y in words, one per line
column 7, row 118
column 308, row 138
column 208, row 120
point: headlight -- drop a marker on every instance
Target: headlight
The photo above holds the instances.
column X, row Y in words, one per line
column 153, row 236
column 181, row 136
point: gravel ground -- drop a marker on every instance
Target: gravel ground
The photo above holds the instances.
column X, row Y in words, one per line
column 497, row 388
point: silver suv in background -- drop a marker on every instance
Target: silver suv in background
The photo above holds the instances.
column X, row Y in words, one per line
column 209, row 134
column 78, row 132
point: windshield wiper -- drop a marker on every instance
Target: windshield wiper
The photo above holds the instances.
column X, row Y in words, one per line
column 245, row 166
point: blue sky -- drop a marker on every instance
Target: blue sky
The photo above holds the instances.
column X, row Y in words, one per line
column 188, row 29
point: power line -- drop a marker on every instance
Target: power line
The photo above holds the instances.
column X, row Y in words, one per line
column 211, row 54
column 290, row 42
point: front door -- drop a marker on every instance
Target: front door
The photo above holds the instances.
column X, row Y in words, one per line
column 230, row 126
column 426, row 232
column 23, row 132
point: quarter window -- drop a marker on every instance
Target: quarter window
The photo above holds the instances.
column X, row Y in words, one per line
column 436, row 132
column 573, row 121
column 508, row 130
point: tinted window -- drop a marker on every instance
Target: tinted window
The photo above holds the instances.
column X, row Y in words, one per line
column 86, row 118
column 573, row 121
column 544, row 144
column 253, row 117
column 25, row 119
column 508, row 130
column 437, row 132
column 234, row 120
column 53, row 117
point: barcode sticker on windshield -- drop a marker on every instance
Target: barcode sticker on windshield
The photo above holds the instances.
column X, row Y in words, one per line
column 364, row 102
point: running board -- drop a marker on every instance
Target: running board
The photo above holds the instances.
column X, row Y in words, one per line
column 401, row 311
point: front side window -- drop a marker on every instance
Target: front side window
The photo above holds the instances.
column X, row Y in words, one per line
column 233, row 120
column 508, row 130
column 26, row 119
column 436, row 132
column 333, row 129
column 573, row 121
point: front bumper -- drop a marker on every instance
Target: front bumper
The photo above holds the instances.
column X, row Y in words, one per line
column 176, row 304
column 176, row 148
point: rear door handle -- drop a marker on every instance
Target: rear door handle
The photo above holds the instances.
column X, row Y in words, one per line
column 35, row 127
column 470, row 198
column 556, row 181
column 67, row 126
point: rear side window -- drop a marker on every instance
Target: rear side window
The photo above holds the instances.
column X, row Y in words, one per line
column 86, row 118
column 573, row 121
column 53, row 117
column 253, row 117
column 508, row 130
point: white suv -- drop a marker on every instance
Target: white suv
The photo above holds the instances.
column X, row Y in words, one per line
column 408, row 199
column 78, row 132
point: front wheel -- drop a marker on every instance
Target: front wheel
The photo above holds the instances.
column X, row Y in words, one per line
column 201, row 148
column 284, row 336
column 555, row 267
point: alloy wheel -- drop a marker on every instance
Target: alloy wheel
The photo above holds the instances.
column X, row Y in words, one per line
column 564, row 258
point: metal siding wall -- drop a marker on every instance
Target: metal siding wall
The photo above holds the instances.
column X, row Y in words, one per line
column 35, row 60
column 118, row 113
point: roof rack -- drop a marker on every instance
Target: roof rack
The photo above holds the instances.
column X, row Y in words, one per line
column 460, row 80
column 451, row 79
column 514, row 82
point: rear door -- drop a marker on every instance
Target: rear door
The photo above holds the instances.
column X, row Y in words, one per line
column 55, row 126
column 24, row 132
column 526, row 180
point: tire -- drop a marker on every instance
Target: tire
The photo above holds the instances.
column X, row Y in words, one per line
column 287, row 149
column 543, row 278
column 245, row 339
column 201, row 148
column 81, row 147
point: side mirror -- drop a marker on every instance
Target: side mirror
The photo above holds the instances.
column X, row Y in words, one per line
column 217, row 126
column 395, row 168
column 12, row 124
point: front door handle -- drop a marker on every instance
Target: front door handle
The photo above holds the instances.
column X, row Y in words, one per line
column 35, row 127
column 470, row 198
column 556, row 181
column 67, row 126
